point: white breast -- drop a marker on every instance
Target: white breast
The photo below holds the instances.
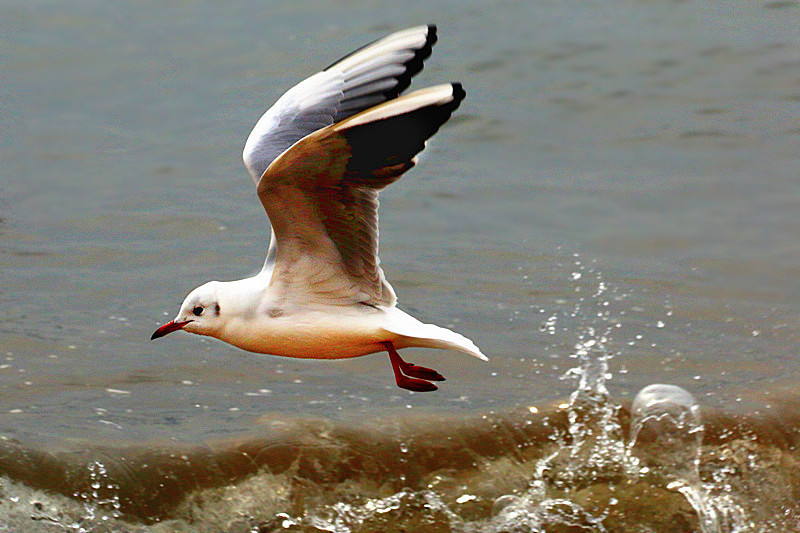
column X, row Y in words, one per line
column 316, row 334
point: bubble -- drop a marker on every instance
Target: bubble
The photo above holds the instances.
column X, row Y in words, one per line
column 666, row 431
column 666, row 435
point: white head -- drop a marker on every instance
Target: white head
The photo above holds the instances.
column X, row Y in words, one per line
column 200, row 313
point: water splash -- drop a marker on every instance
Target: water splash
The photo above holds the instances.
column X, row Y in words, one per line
column 593, row 443
column 102, row 501
column 527, row 515
column 588, row 474
column 666, row 438
column 590, row 461
column 667, row 419
column 592, row 447
column 374, row 513
column 99, row 505
column 594, row 450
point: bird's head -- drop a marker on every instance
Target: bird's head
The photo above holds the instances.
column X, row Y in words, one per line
column 200, row 313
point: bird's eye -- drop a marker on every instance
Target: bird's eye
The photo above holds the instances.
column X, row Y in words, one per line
column 198, row 310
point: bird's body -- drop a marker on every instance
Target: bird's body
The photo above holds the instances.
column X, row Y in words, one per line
column 275, row 326
column 319, row 157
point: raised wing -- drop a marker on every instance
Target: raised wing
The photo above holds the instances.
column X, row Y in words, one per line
column 378, row 72
column 321, row 196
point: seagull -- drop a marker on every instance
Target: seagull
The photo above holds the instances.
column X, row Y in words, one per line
column 319, row 157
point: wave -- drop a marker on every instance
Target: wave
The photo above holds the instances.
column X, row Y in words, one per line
column 568, row 467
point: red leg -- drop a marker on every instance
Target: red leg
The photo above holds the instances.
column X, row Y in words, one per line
column 416, row 371
column 403, row 381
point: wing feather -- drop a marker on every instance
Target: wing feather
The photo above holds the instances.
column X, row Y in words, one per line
column 371, row 75
column 321, row 195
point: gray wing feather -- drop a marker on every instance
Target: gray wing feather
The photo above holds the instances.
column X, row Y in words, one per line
column 362, row 79
column 307, row 107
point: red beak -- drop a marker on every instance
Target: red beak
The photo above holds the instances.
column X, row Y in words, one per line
column 169, row 327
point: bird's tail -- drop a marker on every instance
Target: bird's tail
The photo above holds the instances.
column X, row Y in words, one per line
column 414, row 333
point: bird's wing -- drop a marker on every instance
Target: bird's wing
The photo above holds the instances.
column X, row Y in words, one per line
column 321, row 196
column 375, row 73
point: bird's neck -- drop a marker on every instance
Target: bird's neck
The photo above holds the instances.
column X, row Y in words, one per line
column 241, row 298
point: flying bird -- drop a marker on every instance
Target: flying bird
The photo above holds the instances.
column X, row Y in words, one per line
column 319, row 157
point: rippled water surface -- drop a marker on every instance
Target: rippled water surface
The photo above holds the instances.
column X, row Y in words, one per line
column 613, row 206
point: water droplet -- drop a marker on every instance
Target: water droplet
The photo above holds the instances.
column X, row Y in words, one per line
column 464, row 498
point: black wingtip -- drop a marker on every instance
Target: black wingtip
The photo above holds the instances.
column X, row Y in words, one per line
column 432, row 35
column 458, row 91
column 391, row 140
column 415, row 64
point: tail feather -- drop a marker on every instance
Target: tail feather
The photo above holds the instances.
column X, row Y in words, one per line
column 444, row 338
column 414, row 333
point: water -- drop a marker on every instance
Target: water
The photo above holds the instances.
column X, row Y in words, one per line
column 612, row 207
column 666, row 434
